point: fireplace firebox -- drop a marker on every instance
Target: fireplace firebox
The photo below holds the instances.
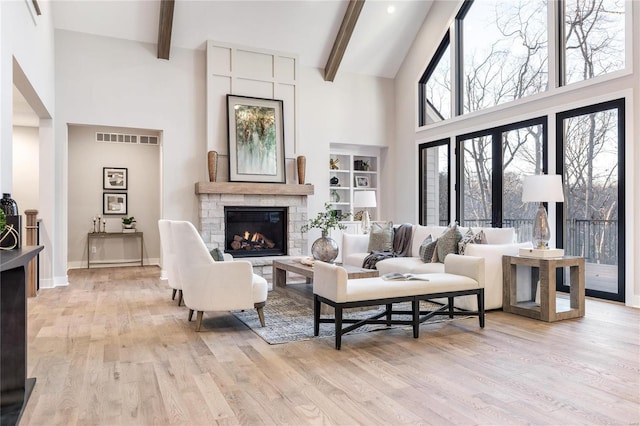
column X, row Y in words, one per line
column 255, row 231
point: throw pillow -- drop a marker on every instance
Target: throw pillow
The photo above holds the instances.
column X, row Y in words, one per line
column 427, row 248
column 217, row 254
column 381, row 237
column 471, row 238
column 448, row 242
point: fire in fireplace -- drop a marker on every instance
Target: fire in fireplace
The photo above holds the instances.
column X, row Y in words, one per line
column 255, row 231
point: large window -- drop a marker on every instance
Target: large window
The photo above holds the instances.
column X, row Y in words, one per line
column 491, row 167
column 436, row 86
column 501, row 52
column 434, row 183
column 594, row 37
column 504, row 54
column 590, row 224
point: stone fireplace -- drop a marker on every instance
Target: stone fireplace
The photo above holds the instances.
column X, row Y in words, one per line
column 213, row 197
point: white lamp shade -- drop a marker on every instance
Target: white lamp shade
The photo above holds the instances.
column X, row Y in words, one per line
column 364, row 199
column 542, row 188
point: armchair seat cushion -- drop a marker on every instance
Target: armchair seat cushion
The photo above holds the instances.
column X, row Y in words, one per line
column 260, row 287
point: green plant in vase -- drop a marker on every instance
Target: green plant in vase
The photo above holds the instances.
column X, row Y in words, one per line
column 325, row 248
column 128, row 222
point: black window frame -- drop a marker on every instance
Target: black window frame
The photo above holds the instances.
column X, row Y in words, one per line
column 497, row 162
column 425, row 146
column 560, row 148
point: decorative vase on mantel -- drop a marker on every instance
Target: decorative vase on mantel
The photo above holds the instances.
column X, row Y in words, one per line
column 324, row 249
column 302, row 168
column 212, row 163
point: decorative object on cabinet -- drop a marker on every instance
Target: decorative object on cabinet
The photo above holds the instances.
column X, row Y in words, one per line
column 212, row 163
column 255, row 139
column 10, row 223
column 361, row 165
column 334, row 163
column 334, row 181
column 301, row 161
column 114, row 178
column 335, row 197
column 9, row 205
column 114, row 203
column 362, row 182
column 365, row 199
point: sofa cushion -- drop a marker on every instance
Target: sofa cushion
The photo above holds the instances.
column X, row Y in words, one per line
column 381, row 237
column 448, row 242
column 471, row 237
column 499, row 235
column 427, row 248
column 420, row 233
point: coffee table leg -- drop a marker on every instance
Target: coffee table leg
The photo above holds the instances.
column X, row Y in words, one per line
column 279, row 277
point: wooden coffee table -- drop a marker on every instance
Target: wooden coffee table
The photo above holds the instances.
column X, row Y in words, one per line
column 281, row 267
column 303, row 292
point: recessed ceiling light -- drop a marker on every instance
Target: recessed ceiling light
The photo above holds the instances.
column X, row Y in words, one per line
column 391, row 9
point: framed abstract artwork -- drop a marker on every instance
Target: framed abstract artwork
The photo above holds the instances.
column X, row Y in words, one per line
column 114, row 203
column 255, row 139
column 114, row 178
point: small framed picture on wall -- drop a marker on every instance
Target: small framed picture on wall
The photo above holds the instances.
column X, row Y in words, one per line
column 114, row 203
column 114, row 178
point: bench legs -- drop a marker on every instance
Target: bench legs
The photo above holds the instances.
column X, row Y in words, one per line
column 415, row 313
column 481, row 307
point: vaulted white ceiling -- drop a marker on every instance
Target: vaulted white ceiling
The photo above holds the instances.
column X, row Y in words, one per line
column 307, row 28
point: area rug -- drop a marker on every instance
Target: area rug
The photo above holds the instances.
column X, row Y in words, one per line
column 289, row 320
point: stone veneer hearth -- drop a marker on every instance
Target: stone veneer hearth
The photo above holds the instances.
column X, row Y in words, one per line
column 214, row 196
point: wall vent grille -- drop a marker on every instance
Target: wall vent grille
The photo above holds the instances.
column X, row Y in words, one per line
column 124, row 138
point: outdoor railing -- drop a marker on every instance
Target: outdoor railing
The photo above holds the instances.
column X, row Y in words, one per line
column 595, row 240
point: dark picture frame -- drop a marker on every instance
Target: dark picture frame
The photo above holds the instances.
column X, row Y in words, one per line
column 115, row 178
column 114, row 203
column 255, row 136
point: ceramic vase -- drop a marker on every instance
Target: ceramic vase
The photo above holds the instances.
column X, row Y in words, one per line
column 324, row 249
column 302, row 168
column 212, row 161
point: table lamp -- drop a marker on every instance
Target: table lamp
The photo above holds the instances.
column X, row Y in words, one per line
column 365, row 199
column 541, row 189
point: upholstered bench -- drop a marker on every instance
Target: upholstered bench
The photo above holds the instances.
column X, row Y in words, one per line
column 463, row 276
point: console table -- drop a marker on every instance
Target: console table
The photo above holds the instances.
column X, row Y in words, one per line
column 104, row 235
column 550, row 308
column 15, row 388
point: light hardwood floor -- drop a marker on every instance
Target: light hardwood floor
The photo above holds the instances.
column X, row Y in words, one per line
column 113, row 348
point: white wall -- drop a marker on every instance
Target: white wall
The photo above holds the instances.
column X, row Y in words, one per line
column 103, row 81
column 26, row 174
column 408, row 135
column 86, row 161
column 354, row 109
column 27, row 60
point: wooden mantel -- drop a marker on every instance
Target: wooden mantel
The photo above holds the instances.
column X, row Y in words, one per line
column 253, row 188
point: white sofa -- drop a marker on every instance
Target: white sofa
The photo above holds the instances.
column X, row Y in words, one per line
column 500, row 241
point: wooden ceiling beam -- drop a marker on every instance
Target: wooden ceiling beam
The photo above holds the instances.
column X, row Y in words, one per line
column 164, row 28
column 342, row 39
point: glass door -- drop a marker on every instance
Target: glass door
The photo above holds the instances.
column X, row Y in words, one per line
column 591, row 221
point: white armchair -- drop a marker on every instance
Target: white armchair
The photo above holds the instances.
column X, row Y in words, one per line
column 208, row 285
column 169, row 259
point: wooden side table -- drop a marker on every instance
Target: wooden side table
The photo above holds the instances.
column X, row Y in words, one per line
column 551, row 308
